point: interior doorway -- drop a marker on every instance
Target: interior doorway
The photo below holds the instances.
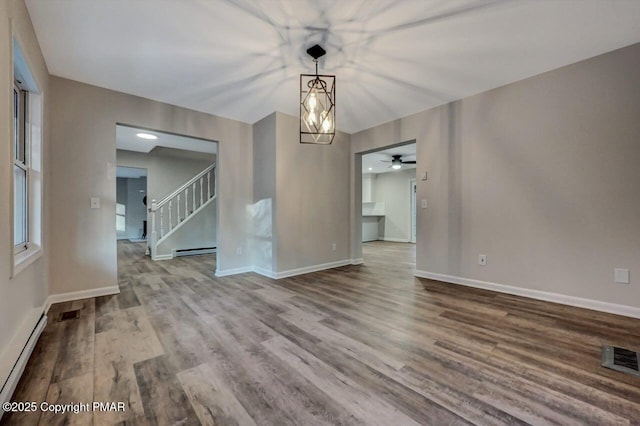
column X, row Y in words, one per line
column 175, row 180
column 131, row 208
column 414, row 209
column 388, row 205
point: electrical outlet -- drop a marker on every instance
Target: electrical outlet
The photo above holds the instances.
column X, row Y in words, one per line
column 482, row 259
column 333, row 247
column 239, row 251
column 423, row 203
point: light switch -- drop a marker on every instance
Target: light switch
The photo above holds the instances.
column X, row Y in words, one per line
column 95, row 202
column 424, row 176
column 621, row 276
column 424, row 204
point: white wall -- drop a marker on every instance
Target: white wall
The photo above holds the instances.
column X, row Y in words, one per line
column 83, row 156
column 393, row 189
column 541, row 175
column 22, row 296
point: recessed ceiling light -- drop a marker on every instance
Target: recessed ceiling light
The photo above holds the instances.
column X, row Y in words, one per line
column 370, row 168
column 146, row 136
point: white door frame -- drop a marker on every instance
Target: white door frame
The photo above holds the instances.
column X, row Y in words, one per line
column 413, row 211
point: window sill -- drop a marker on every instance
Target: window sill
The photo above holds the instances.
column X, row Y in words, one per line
column 22, row 260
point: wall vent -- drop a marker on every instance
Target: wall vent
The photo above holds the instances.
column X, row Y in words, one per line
column 69, row 315
column 621, row 359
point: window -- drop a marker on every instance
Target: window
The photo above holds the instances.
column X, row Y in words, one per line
column 27, row 164
column 20, row 170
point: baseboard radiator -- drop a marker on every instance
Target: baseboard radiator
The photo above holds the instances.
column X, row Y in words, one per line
column 9, row 386
column 194, row 251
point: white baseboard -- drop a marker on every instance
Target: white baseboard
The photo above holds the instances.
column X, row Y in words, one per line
column 227, row 272
column 394, row 240
column 596, row 305
column 78, row 295
column 359, row 261
column 264, row 272
column 291, row 272
column 14, row 358
column 162, row 257
column 312, row 268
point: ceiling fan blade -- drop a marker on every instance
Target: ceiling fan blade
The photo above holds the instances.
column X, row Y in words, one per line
column 385, row 161
column 408, row 162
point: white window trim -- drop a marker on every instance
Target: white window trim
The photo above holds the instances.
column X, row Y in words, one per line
column 23, row 133
column 24, row 257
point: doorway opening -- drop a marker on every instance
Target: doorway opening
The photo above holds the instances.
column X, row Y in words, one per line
column 174, row 179
column 389, row 211
column 131, row 202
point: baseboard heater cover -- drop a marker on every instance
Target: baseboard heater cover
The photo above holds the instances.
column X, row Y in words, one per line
column 621, row 359
column 9, row 386
column 194, row 251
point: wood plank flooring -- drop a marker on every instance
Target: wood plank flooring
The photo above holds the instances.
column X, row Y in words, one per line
column 367, row 344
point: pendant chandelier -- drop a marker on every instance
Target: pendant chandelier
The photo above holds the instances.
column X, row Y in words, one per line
column 317, row 104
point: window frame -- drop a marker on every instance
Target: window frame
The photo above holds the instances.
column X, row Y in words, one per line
column 30, row 129
column 21, row 137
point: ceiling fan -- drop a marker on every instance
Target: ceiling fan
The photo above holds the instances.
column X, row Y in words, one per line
column 396, row 162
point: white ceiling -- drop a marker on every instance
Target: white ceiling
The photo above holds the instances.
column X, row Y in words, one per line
column 242, row 58
column 380, row 161
column 126, row 139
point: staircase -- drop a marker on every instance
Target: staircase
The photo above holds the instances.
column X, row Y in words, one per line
column 176, row 209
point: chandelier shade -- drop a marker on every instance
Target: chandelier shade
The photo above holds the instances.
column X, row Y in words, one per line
column 317, row 104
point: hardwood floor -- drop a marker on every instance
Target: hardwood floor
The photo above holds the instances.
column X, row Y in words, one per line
column 366, row 344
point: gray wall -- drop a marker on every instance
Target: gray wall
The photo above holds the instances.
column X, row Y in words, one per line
column 23, row 296
column 312, row 184
column 301, row 197
column 393, row 189
column 264, row 193
column 167, row 169
column 541, row 175
column 83, row 129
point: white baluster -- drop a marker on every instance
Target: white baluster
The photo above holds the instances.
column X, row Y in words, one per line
column 186, row 203
column 161, row 221
column 208, row 184
column 178, row 209
column 154, row 233
column 194, row 197
column 201, row 188
column 170, row 221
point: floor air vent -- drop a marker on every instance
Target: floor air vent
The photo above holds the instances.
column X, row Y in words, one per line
column 69, row 315
column 621, row 359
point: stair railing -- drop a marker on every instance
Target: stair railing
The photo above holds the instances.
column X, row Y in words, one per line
column 178, row 206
